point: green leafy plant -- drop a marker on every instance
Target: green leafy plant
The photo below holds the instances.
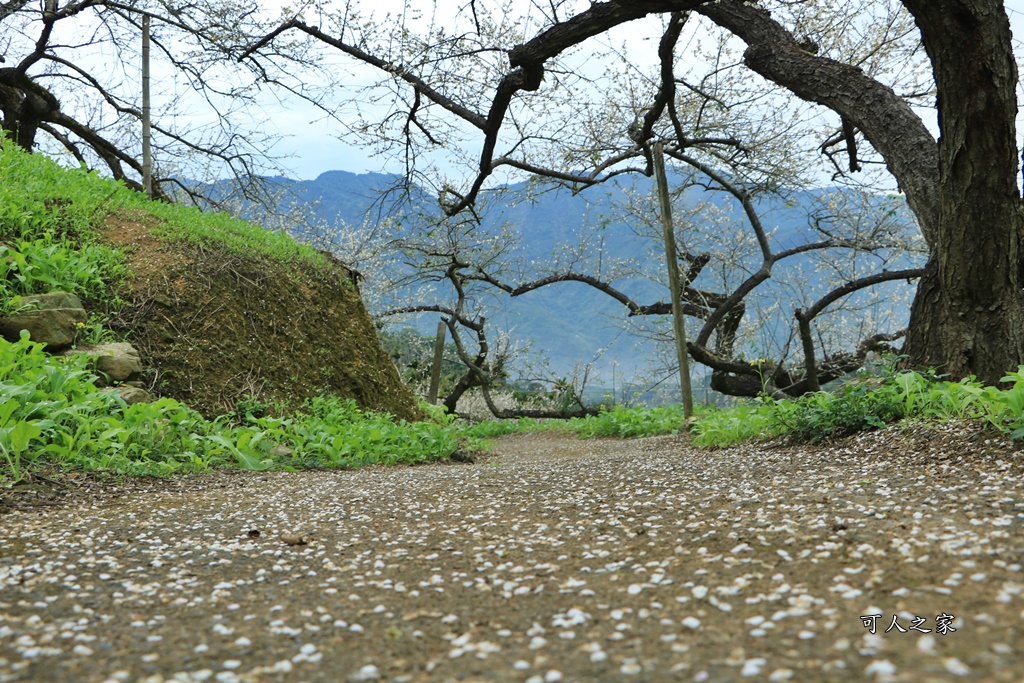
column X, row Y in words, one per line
column 47, row 264
column 1005, row 409
column 822, row 415
column 726, row 426
column 51, row 413
column 630, row 423
column 15, row 437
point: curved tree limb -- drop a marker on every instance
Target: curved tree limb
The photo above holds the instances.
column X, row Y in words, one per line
column 858, row 284
column 397, row 70
column 884, row 118
column 600, row 17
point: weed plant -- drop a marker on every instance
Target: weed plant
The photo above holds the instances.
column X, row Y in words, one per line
column 853, row 408
column 52, row 415
column 858, row 407
column 50, row 264
column 41, row 200
column 629, row 423
column 47, row 241
column 617, row 421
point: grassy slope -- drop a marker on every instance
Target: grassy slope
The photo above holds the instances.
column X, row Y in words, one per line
column 56, row 227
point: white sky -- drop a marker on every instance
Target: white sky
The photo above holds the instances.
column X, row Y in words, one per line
column 310, row 135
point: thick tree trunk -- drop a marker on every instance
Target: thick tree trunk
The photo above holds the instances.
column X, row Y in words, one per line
column 21, row 115
column 25, row 105
column 968, row 315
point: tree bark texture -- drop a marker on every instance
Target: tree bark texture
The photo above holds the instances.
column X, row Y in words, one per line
column 24, row 105
column 968, row 315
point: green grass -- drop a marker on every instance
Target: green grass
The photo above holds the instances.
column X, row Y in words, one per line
column 619, row 422
column 333, row 432
column 47, row 220
column 38, row 196
column 629, row 423
column 52, row 415
column 859, row 407
column 813, row 418
column 238, row 236
column 725, row 426
column 41, row 199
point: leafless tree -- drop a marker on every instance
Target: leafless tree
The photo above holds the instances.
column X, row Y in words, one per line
column 446, row 260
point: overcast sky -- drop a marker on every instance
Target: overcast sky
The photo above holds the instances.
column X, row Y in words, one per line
column 310, row 137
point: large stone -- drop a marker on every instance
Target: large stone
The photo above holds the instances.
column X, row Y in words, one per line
column 55, row 327
column 51, row 300
column 118, row 362
column 131, row 395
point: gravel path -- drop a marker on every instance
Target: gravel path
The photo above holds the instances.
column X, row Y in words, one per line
column 549, row 560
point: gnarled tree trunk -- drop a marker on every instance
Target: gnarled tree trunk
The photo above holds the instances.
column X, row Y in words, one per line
column 968, row 315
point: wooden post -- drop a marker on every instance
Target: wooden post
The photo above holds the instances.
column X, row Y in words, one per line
column 674, row 284
column 435, row 369
column 147, row 151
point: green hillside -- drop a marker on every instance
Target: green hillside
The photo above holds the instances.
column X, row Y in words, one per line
column 258, row 351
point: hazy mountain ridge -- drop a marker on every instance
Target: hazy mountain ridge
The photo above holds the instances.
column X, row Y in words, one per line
column 568, row 322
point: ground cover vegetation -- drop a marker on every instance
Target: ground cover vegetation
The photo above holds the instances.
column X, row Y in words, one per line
column 52, row 415
column 53, row 418
column 514, row 83
column 745, row 99
column 862, row 404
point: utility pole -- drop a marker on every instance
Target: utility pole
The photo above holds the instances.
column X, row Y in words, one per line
column 674, row 284
column 147, row 151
